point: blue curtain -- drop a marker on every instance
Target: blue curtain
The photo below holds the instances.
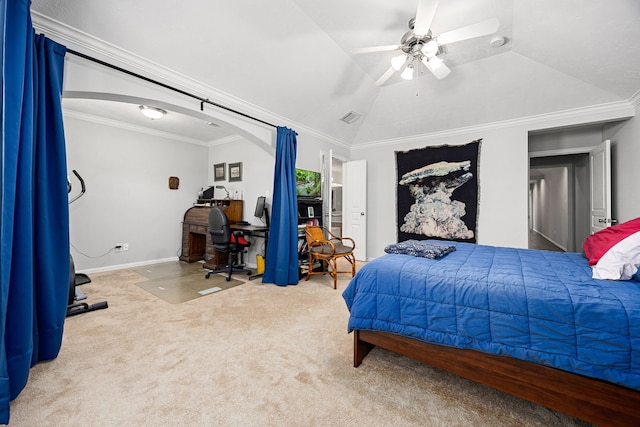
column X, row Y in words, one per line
column 281, row 264
column 34, row 227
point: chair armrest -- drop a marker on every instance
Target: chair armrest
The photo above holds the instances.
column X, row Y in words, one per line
column 342, row 239
column 353, row 243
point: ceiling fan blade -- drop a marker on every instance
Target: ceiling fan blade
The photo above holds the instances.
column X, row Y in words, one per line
column 383, row 78
column 424, row 16
column 373, row 49
column 483, row 28
column 440, row 71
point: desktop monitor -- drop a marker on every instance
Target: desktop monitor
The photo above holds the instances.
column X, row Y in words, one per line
column 261, row 209
column 208, row 193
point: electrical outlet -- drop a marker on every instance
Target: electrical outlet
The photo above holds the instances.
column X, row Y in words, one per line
column 125, row 246
column 118, row 247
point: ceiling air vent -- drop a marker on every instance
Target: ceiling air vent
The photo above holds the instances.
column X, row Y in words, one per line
column 350, row 117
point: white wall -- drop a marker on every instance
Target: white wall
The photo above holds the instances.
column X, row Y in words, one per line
column 504, row 176
column 503, row 180
column 128, row 199
column 131, row 173
column 566, row 139
column 625, row 152
column 257, row 180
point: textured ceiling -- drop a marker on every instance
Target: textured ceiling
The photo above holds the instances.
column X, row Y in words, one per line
column 292, row 58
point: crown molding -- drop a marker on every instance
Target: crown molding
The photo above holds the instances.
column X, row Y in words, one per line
column 612, row 111
column 103, row 50
column 130, row 127
column 225, row 140
column 635, row 99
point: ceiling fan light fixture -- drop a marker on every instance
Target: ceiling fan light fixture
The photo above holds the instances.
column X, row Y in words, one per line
column 430, row 48
column 407, row 74
column 152, row 112
column 398, row 61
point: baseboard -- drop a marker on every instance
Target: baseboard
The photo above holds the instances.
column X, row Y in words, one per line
column 130, row 265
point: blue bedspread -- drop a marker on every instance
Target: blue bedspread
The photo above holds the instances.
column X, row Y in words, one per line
column 539, row 306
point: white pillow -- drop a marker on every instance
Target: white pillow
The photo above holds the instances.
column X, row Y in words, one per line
column 621, row 261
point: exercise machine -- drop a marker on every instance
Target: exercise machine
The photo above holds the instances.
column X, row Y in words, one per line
column 77, row 279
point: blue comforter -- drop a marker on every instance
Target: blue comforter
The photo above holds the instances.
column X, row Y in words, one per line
column 539, row 306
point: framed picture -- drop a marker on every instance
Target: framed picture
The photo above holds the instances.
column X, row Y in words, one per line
column 174, row 182
column 218, row 172
column 235, row 171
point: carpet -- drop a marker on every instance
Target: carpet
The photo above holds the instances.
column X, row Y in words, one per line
column 257, row 355
column 180, row 282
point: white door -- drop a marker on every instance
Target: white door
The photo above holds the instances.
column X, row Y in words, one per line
column 600, row 170
column 354, row 205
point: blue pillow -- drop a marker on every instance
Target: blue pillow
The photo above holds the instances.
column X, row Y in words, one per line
column 425, row 249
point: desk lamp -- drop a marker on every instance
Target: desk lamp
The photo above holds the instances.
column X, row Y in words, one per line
column 227, row 191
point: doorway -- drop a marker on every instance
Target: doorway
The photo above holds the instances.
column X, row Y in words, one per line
column 336, row 196
column 559, row 202
column 560, row 185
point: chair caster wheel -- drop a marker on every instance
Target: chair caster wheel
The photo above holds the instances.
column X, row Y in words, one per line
column 228, row 279
column 248, row 273
column 207, row 276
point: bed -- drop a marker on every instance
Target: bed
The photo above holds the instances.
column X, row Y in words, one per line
column 531, row 323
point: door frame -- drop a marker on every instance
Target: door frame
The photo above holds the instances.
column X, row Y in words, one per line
column 559, row 153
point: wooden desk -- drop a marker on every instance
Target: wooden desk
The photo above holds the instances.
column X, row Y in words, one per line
column 196, row 240
column 250, row 229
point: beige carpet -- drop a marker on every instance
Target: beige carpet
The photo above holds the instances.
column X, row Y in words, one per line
column 253, row 355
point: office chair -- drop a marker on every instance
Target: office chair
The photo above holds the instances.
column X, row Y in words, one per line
column 224, row 240
column 329, row 250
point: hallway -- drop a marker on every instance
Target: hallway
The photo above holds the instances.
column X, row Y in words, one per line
column 537, row 241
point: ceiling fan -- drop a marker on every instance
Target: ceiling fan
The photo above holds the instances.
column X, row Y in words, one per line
column 419, row 47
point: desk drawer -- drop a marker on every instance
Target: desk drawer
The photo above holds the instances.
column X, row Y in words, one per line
column 199, row 229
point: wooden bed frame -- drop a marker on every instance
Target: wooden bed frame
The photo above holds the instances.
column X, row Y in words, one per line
column 589, row 399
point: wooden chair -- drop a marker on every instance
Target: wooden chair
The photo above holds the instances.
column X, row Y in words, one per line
column 329, row 251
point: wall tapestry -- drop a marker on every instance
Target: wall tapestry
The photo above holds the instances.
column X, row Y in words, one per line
column 437, row 192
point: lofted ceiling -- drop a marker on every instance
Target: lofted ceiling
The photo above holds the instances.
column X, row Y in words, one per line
column 291, row 61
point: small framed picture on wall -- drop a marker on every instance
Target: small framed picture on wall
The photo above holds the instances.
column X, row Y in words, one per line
column 235, row 171
column 218, row 172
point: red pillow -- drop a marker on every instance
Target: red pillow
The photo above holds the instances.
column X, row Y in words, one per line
column 596, row 245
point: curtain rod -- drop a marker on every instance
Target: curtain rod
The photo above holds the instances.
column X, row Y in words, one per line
column 166, row 86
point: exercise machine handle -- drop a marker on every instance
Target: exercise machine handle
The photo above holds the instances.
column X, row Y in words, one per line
column 82, row 187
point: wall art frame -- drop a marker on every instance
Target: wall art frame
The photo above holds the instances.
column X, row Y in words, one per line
column 235, row 172
column 219, row 172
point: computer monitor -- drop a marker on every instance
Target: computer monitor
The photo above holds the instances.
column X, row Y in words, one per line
column 261, row 209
